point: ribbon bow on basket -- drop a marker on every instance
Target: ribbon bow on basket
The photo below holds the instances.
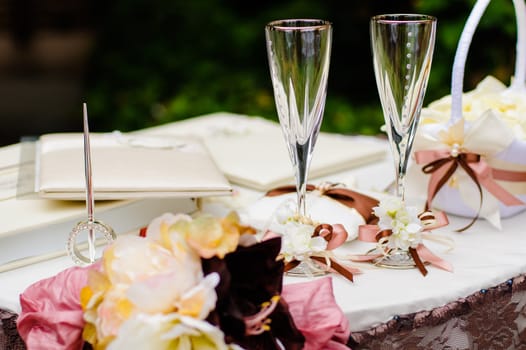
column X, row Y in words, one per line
column 473, row 153
column 305, row 240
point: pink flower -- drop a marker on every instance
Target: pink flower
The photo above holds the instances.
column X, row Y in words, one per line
column 51, row 316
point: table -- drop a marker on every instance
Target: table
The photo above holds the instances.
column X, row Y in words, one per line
column 480, row 305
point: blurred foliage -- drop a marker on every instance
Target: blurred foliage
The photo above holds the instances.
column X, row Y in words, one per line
column 159, row 61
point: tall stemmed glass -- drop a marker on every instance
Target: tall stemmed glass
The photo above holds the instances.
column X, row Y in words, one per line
column 402, row 47
column 299, row 55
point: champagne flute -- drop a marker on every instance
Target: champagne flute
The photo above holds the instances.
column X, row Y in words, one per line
column 402, row 47
column 299, row 55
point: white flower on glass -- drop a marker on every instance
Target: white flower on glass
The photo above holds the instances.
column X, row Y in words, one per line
column 402, row 220
column 285, row 212
column 298, row 243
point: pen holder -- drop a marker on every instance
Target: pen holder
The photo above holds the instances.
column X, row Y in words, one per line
column 469, row 151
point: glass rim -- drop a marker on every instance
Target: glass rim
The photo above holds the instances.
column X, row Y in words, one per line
column 403, row 18
column 292, row 24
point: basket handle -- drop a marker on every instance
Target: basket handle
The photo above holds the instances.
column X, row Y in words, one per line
column 461, row 54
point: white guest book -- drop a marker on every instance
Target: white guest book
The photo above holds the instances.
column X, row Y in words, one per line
column 126, row 166
column 251, row 151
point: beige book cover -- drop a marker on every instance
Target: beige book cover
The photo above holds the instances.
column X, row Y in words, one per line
column 251, row 151
column 125, row 166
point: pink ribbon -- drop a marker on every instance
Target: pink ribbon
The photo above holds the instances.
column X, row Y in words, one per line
column 421, row 254
column 484, row 174
column 442, row 164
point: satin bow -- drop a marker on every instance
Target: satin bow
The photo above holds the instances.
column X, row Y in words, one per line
column 421, row 254
column 334, row 234
column 473, row 151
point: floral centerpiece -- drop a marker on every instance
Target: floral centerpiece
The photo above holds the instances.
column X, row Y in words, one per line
column 469, row 148
column 191, row 283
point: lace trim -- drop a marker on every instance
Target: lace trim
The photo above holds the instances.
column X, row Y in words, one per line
column 9, row 337
column 476, row 303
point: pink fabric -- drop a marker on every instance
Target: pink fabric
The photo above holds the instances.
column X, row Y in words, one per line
column 51, row 316
column 316, row 314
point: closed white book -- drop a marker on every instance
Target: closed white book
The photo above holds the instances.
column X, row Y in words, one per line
column 127, row 166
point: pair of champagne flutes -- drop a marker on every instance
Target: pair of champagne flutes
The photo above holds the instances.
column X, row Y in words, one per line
column 299, row 53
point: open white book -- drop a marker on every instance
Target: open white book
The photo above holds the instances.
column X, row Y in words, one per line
column 251, row 151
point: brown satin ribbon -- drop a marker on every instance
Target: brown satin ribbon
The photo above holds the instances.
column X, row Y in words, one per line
column 412, row 251
column 477, row 169
column 361, row 203
column 367, row 233
column 462, row 159
column 418, row 262
column 333, row 264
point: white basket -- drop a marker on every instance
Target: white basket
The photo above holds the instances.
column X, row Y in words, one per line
column 489, row 135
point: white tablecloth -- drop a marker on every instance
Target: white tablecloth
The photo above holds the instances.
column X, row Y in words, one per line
column 482, row 258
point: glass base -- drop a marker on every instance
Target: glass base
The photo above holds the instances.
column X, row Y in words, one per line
column 308, row 269
column 400, row 259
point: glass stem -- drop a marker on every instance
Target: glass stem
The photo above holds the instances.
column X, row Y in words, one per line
column 401, row 167
column 302, row 165
column 400, row 186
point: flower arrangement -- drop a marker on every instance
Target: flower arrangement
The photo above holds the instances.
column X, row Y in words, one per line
column 403, row 223
column 200, row 282
column 399, row 235
column 489, row 94
column 172, row 289
column 309, row 243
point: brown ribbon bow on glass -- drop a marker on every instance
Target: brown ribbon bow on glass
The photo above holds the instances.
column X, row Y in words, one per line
column 420, row 253
column 334, row 234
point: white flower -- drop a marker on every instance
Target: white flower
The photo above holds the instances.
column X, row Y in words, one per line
column 285, row 212
column 298, row 243
column 171, row 331
column 490, row 93
column 402, row 220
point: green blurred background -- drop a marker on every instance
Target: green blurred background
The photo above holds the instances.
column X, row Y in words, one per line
column 139, row 63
